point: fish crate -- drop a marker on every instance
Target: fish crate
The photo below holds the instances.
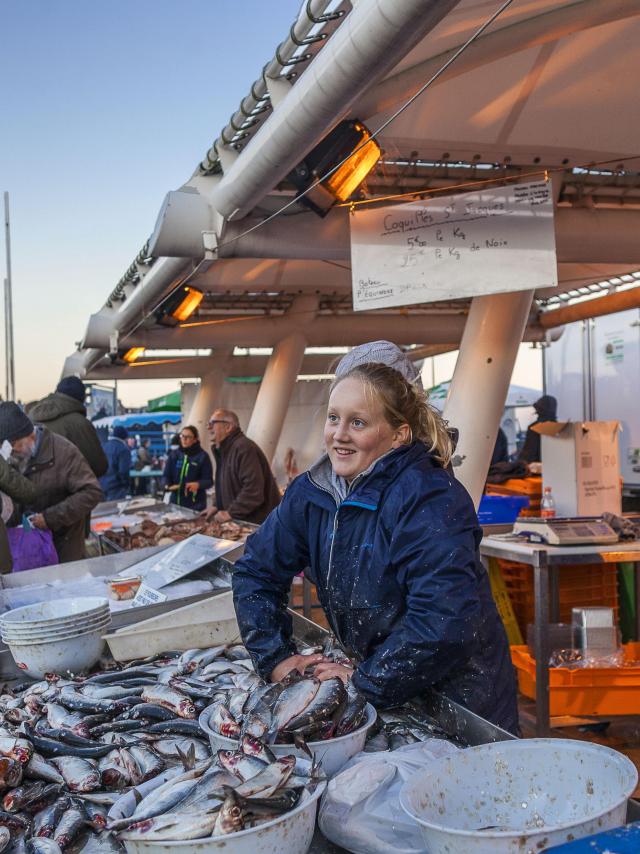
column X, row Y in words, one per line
column 600, row 691
column 579, row 585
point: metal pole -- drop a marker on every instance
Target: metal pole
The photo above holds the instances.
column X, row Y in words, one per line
column 6, row 342
column 11, row 380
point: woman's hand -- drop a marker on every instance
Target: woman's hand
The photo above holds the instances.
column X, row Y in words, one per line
column 193, row 486
column 331, row 670
column 173, row 488
column 295, row 662
column 37, row 520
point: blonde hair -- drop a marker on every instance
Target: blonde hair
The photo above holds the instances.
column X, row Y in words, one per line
column 405, row 403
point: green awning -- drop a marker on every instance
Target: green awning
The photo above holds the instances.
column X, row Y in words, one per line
column 167, row 403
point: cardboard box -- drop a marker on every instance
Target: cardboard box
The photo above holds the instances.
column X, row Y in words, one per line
column 581, row 464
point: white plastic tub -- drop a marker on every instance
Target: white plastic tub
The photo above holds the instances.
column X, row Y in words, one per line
column 332, row 754
column 519, row 796
column 291, row 833
column 53, row 636
column 55, row 631
column 203, row 624
column 46, row 613
column 72, row 655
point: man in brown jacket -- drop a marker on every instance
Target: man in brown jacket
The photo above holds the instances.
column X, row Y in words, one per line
column 245, row 486
column 66, row 488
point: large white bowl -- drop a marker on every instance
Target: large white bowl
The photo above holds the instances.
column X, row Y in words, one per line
column 52, row 637
column 516, row 796
column 55, row 610
column 53, row 631
column 291, row 833
column 332, row 754
column 72, row 655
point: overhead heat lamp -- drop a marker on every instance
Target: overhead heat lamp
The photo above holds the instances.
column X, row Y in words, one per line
column 133, row 354
column 350, row 142
column 180, row 305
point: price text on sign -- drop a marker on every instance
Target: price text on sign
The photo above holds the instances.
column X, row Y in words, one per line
column 487, row 242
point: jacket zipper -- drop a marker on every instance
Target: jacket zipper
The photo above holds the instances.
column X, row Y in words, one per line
column 333, row 539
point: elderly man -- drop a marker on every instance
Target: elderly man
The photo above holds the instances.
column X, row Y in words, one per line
column 66, row 488
column 245, row 486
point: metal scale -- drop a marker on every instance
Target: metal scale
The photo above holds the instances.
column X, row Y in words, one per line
column 568, row 531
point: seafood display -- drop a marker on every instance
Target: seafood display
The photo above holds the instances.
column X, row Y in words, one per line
column 72, row 749
column 165, row 533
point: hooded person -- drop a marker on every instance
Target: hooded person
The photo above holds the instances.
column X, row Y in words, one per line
column 546, row 408
column 63, row 412
column 116, row 482
column 15, row 490
column 66, row 490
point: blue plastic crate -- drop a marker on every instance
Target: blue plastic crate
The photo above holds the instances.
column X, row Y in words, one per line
column 500, row 509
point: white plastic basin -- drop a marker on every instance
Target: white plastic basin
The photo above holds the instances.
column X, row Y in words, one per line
column 67, row 656
column 54, row 630
column 52, row 636
column 332, row 754
column 291, row 833
column 59, row 609
column 519, row 796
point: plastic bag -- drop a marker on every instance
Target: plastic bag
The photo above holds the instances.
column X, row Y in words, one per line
column 360, row 809
column 31, row 549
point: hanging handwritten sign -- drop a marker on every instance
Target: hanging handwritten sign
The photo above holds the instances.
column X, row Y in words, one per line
column 451, row 247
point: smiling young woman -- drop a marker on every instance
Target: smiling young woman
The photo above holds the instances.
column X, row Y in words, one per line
column 390, row 539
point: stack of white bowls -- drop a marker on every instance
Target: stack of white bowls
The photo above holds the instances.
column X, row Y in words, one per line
column 64, row 636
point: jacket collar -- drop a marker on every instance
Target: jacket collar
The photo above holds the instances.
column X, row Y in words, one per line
column 43, row 456
column 226, row 443
column 366, row 490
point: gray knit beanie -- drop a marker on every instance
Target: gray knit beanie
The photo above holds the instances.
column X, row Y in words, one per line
column 380, row 352
column 14, row 423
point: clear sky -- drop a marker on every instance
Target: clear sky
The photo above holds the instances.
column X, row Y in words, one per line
column 106, row 106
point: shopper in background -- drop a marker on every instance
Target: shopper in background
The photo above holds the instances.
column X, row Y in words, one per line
column 546, row 408
column 245, row 486
column 188, row 472
column 63, row 412
column 115, row 483
column 15, row 491
column 66, row 488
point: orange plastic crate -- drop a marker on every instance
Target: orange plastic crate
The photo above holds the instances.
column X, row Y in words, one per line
column 517, row 486
column 593, row 691
column 578, row 585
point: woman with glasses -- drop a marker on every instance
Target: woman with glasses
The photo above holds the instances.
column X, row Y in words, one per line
column 188, row 472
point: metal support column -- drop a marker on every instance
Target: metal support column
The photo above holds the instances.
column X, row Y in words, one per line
column 8, row 309
column 207, row 397
column 480, row 383
column 279, row 379
column 541, row 640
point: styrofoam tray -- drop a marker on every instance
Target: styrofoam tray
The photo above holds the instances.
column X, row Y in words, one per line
column 206, row 623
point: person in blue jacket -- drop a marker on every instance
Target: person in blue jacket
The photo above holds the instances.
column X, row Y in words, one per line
column 115, row 483
column 188, row 472
column 390, row 539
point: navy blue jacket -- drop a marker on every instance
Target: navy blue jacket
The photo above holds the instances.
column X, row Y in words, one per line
column 398, row 575
column 115, row 483
column 182, row 468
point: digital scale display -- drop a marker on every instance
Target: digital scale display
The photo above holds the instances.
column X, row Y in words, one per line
column 565, row 532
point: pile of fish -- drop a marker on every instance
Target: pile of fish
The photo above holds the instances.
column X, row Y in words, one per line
column 150, row 533
column 297, row 710
column 71, row 748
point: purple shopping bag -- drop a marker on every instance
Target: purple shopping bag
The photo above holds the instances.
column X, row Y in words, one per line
column 31, row 549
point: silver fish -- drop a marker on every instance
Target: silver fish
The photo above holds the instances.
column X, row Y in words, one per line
column 273, row 777
column 292, row 701
column 5, row 837
column 330, row 695
column 170, row 699
column 174, row 826
column 60, row 718
column 80, row 775
column 42, row 846
column 243, row 766
column 230, row 818
column 40, row 769
column 70, row 825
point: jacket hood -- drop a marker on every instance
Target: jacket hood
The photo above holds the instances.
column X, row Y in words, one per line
column 54, row 406
column 368, row 486
column 546, row 408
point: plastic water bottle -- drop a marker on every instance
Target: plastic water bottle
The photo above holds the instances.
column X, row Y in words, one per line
column 547, row 505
